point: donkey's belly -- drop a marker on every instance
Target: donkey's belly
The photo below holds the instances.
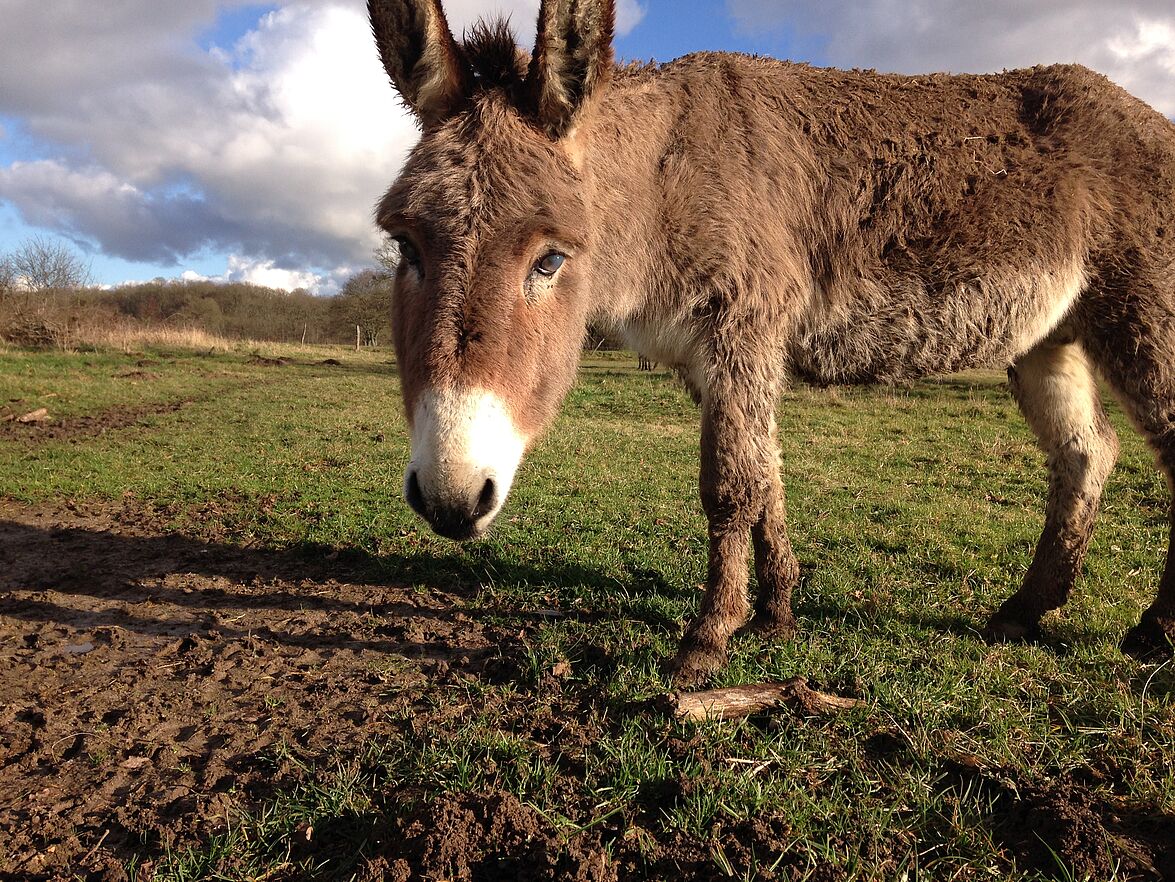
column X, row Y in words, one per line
column 912, row 330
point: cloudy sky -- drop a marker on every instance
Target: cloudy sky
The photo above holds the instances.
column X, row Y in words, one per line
column 231, row 139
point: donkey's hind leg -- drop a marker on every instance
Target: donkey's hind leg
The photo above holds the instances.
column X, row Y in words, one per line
column 1057, row 394
column 1132, row 341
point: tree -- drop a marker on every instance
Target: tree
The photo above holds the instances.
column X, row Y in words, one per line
column 204, row 312
column 365, row 301
column 41, row 263
column 387, row 255
column 7, row 276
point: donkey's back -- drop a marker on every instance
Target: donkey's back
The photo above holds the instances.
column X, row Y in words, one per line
column 928, row 224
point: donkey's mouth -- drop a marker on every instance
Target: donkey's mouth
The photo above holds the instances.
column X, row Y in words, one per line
column 457, row 527
column 455, row 520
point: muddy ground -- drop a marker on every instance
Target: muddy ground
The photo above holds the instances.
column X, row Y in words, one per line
column 145, row 676
column 153, row 683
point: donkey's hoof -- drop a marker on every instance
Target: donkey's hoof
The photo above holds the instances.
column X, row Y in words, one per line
column 1001, row 630
column 768, row 628
column 1147, row 642
column 694, row 665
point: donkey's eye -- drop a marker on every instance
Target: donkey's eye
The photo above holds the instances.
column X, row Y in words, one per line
column 550, row 264
column 408, row 252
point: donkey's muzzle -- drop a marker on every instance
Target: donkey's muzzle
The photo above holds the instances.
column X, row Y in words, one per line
column 453, row 518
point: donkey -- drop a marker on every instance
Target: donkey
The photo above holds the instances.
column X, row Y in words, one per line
column 746, row 221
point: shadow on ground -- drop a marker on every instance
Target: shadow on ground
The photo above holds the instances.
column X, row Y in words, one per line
column 150, row 682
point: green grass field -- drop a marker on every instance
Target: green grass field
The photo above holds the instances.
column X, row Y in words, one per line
column 914, row 513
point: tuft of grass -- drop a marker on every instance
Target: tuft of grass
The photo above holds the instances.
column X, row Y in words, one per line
column 132, row 337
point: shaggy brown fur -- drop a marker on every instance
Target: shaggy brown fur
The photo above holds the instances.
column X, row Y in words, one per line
column 744, row 220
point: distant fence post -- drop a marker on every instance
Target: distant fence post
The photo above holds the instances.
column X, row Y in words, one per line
column 356, row 338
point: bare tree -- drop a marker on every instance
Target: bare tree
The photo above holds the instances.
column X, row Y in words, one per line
column 387, row 254
column 7, row 276
column 41, row 263
column 365, row 301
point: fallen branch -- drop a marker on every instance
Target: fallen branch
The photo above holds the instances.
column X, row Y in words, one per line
column 40, row 415
column 740, row 701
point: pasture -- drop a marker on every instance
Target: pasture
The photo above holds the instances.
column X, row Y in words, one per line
column 228, row 649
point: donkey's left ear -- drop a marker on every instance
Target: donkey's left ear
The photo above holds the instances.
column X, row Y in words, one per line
column 420, row 55
column 572, row 60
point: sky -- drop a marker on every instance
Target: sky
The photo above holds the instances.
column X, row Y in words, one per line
column 249, row 141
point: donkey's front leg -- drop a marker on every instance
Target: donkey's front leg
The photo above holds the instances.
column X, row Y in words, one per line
column 740, row 470
column 776, row 567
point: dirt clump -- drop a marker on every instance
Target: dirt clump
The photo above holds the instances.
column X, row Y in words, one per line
column 84, row 427
column 487, row 838
column 1065, row 825
column 137, row 375
column 1063, row 828
column 266, row 361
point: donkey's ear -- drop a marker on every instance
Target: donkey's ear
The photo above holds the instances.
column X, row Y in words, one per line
column 572, row 59
column 420, row 55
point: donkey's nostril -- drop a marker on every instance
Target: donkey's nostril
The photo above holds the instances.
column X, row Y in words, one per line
column 487, row 500
column 415, row 497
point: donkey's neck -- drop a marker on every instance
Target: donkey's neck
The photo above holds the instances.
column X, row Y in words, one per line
column 625, row 139
column 692, row 178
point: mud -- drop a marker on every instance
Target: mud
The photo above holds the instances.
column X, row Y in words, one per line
column 153, row 684
column 81, row 428
column 150, row 682
column 267, row 361
column 465, row 837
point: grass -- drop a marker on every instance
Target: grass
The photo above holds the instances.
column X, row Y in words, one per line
column 131, row 337
column 914, row 513
column 69, row 333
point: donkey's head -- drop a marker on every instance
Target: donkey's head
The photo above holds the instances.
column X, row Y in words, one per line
column 494, row 227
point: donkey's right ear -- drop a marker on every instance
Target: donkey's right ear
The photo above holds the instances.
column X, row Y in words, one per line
column 420, row 55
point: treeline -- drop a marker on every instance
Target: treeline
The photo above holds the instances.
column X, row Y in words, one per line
column 46, row 299
column 241, row 310
column 66, row 315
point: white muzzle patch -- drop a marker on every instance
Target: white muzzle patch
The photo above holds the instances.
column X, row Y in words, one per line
column 460, row 441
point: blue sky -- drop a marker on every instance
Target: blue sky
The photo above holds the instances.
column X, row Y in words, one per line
column 671, row 29
column 232, row 139
column 232, row 24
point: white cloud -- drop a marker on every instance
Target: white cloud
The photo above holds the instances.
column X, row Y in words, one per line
column 1151, row 41
column 1132, row 41
column 628, row 15
column 275, row 148
column 523, row 15
column 265, row 272
column 327, row 133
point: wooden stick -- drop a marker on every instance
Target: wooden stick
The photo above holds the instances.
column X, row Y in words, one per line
column 40, row 415
column 740, row 701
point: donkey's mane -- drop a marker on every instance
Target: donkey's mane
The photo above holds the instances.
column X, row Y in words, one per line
column 494, row 55
column 499, row 63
